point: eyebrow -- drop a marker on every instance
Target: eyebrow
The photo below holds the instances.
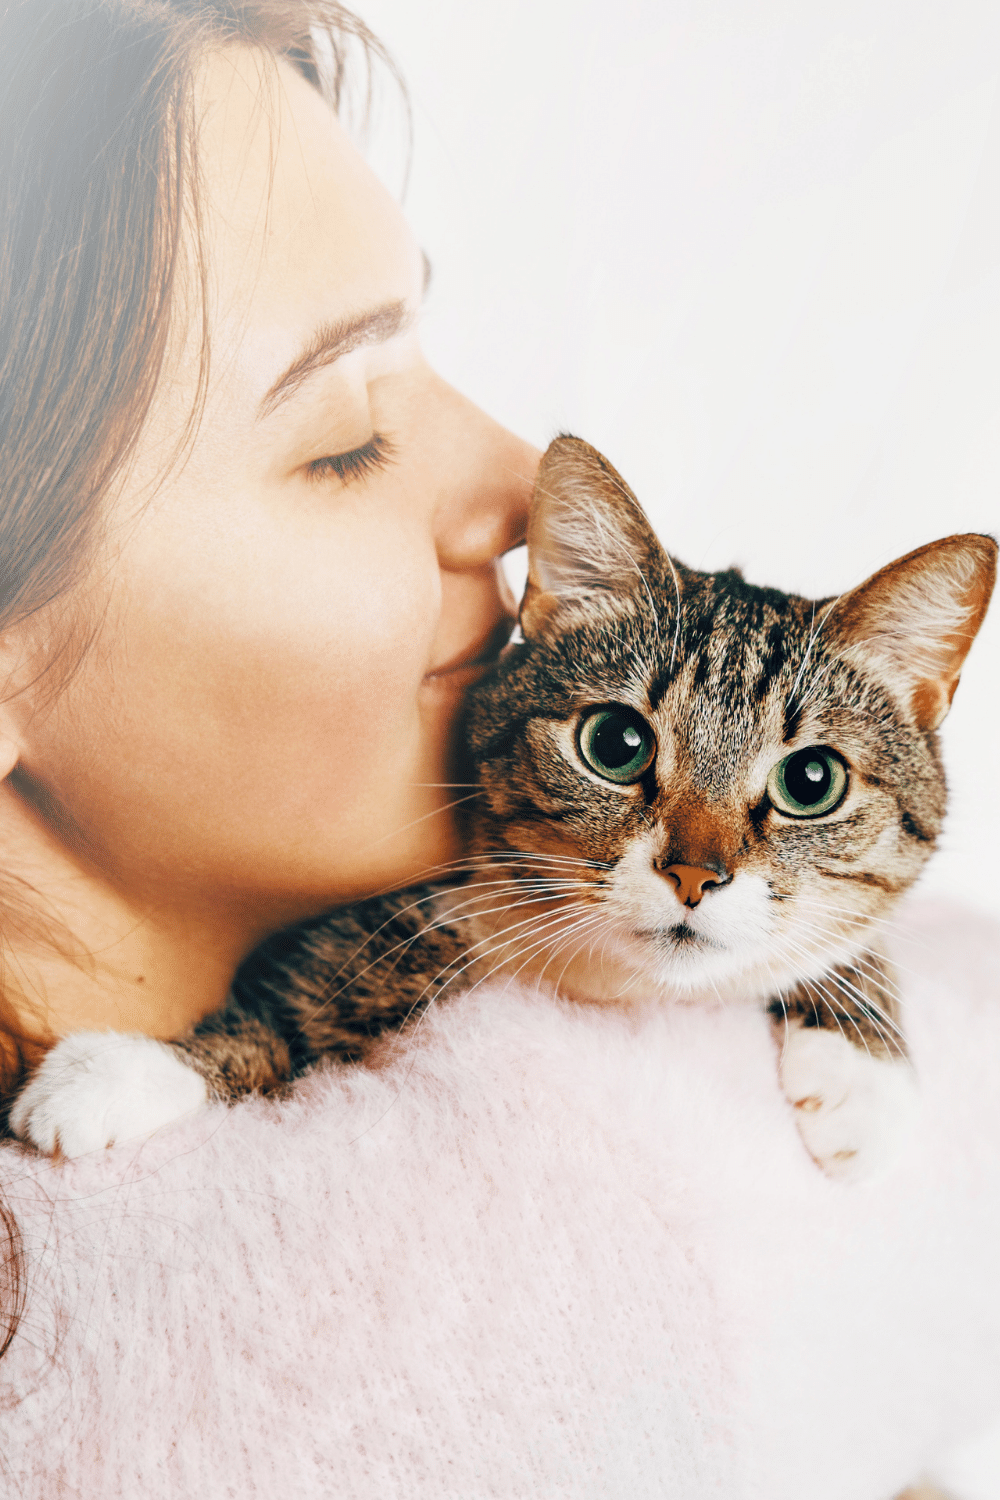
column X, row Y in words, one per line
column 332, row 341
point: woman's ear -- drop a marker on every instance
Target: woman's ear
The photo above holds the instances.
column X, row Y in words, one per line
column 10, row 750
column 13, row 708
column 588, row 539
column 916, row 619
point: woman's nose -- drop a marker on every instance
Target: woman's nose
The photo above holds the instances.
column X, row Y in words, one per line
column 484, row 487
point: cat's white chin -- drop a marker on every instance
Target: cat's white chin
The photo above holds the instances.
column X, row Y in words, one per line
column 627, row 966
column 700, row 970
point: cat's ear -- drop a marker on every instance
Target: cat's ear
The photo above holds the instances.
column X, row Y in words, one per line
column 917, row 618
column 588, row 540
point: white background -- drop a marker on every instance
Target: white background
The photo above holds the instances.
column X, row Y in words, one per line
column 749, row 248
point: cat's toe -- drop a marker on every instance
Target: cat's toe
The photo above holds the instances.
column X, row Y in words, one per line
column 853, row 1110
column 94, row 1089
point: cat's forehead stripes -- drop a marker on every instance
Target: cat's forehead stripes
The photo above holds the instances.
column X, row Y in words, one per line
column 725, row 691
column 737, row 636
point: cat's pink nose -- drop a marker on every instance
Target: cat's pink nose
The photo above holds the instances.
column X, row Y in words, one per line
column 690, row 882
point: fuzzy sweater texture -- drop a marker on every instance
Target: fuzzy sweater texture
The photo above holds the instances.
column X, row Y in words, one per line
column 542, row 1251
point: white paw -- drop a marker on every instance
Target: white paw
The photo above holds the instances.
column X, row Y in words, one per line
column 853, row 1111
column 98, row 1087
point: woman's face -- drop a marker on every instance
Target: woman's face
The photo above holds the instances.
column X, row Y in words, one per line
column 291, row 616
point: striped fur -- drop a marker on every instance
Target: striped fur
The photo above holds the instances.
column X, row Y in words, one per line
column 566, row 880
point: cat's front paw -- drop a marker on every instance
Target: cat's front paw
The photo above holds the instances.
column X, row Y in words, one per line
column 854, row 1110
column 99, row 1087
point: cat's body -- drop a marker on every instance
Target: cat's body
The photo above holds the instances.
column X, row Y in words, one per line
column 690, row 787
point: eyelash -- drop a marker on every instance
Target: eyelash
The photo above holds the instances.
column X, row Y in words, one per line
column 377, row 453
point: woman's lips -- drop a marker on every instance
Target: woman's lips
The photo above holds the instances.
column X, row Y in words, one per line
column 482, row 653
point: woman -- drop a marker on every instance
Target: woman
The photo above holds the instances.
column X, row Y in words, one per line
column 249, row 539
column 252, row 538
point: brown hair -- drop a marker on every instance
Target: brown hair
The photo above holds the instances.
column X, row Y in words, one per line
column 96, row 174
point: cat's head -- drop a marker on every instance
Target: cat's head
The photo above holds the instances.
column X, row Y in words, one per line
column 731, row 783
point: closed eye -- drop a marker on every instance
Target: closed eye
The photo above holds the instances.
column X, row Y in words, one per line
column 377, row 453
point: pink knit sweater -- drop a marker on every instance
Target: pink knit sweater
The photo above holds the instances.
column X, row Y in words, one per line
column 545, row 1251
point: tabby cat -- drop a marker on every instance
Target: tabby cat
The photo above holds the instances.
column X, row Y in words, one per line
column 688, row 785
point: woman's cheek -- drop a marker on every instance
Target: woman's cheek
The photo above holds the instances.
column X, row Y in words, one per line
column 287, row 621
column 386, row 605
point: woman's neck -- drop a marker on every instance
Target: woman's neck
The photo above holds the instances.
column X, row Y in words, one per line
column 79, row 953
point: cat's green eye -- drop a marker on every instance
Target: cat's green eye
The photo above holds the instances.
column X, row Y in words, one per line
column 617, row 743
column 809, row 783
